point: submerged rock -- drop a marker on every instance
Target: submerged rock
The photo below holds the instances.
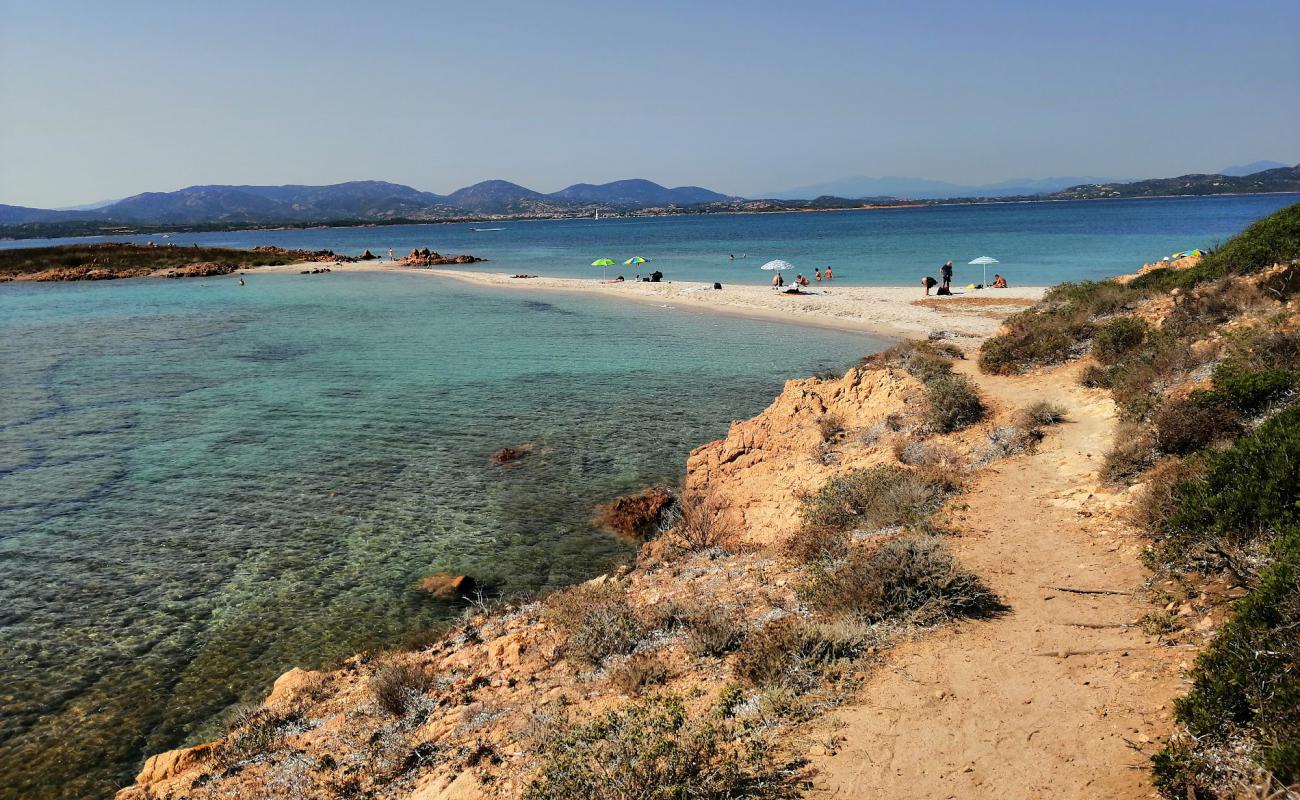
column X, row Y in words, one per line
column 638, row 516
column 510, row 455
column 446, row 586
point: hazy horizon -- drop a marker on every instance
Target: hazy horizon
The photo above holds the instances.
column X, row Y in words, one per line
column 100, row 102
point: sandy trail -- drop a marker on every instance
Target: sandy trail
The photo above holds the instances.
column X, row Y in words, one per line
column 886, row 310
column 992, row 709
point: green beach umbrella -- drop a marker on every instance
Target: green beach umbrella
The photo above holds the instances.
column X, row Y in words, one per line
column 603, row 263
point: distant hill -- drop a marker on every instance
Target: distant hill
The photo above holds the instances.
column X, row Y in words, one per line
column 925, row 189
column 1251, row 168
column 360, row 201
column 637, row 192
column 1281, row 179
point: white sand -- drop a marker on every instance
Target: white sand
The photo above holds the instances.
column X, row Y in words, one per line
column 886, row 310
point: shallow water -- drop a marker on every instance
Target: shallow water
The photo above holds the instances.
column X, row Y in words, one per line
column 1038, row 244
column 202, row 485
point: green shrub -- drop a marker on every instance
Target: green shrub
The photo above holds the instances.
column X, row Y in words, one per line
column 656, row 750
column 913, row 577
column 1246, row 684
column 1249, row 488
column 871, row 498
column 952, row 403
column 1252, row 392
column 1117, row 338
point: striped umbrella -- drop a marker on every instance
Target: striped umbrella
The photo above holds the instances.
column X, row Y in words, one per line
column 603, row 263
column 636, row 260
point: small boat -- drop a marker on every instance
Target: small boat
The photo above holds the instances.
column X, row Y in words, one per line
column 486, row 230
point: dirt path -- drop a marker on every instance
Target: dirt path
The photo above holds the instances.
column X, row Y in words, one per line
column 1045, row 700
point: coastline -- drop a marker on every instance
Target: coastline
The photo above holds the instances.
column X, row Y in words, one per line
column 890, row 311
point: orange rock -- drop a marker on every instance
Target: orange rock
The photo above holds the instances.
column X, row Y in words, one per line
column 446, row 586
column 637, row 516
column 174, row 762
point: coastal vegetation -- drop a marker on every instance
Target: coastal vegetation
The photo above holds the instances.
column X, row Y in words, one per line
column 1203, row 361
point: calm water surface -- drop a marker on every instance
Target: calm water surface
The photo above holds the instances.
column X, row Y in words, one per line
column 1039, row 244
column 203, row 485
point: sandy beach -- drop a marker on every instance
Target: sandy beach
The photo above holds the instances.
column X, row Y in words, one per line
column 895, row 311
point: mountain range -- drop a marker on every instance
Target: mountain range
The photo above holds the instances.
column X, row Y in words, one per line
column 359, row 202
column 374, row 201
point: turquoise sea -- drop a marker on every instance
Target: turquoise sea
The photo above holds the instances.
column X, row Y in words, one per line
column 202, row 485
column 1038, row 244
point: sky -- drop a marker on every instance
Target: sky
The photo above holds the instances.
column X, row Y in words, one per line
column 101, row 100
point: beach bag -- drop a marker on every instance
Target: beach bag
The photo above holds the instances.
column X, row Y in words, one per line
column 943, row 290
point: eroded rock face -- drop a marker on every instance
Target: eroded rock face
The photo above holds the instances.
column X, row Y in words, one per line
column 767, row 462
column 637, row 516
column 446, row 586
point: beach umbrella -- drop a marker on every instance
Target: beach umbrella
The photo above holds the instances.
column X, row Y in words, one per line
column 984, row 262
column 636, row 260
column 603, row 263
column 777, row 265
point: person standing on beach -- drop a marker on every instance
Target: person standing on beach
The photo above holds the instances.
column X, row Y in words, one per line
column 945, row 274
column 390, row 254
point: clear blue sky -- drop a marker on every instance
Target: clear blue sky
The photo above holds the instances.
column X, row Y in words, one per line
column 105, row 99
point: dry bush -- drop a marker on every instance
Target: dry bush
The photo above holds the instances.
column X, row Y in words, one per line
column 792, row 652
column 596, row 621
column 714, row 632
column 667, row 616
column 815, row 543
column 1157, row 501
column 255, row 731
column 1133, row 453
column 1094, row 376
column 913, row 578
column 636, row 672
column 872, row 498
column 395, row 684
column 952, row 403
column 657, row 750
column 1185, row 425
column 1010, row 440
column 1040, row 414
column 936, row 464
column 830, row 426
column 701, row 523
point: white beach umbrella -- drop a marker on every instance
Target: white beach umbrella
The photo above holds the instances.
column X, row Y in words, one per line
column 777, row 265
column 984, row 262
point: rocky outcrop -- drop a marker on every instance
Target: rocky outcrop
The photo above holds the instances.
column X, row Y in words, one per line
column 766, row 463
column 202, row 269
column 429, row 258
column 510, row 455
